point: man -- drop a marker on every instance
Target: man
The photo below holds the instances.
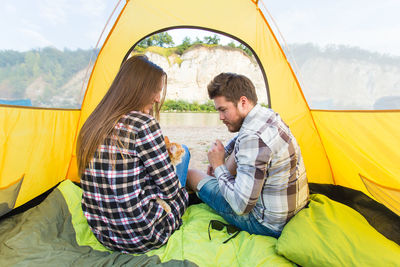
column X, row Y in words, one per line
column 258, row 181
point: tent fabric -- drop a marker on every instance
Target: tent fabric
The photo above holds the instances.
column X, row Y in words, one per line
column 8, row 196
column 28, row 205
column 40, row 143
column 328, row 233
column 388, row 196
column 353, row 149
column 362, row 143
column 36, row 143
column 141, row 18
column 190, row 241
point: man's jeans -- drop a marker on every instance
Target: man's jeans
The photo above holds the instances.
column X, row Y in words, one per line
column 209, row 192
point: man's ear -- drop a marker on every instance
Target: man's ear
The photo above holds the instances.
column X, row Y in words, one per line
column 244, row 102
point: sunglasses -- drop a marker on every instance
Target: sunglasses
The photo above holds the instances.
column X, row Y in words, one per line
column 217, row 225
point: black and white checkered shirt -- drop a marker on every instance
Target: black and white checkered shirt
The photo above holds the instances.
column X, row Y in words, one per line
column 128, row 172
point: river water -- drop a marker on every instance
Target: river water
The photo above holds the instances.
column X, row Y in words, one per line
column 190, row 119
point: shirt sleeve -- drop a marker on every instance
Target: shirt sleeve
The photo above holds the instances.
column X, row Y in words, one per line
column 151, row 149
column 252, row 158
column 230, row 146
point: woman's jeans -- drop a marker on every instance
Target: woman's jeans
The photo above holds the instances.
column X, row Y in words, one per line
column 182, row 168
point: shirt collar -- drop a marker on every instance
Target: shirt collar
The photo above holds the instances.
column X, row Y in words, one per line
column 251, row 115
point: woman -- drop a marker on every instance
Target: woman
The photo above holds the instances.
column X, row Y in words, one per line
column 126, row 174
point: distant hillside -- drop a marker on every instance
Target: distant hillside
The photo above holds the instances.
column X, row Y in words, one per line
column 40, row 74
column 45, row 78
column 342, row 77
column 53, row 78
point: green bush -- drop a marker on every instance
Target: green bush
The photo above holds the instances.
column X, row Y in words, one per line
column 182, row 106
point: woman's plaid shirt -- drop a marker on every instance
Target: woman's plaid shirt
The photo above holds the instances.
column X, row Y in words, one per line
column 128, row 172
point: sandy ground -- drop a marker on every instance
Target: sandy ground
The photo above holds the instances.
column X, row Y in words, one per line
column 198, row 140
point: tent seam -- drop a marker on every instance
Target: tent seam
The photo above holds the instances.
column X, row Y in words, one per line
column 90, row 78
column 299, row 87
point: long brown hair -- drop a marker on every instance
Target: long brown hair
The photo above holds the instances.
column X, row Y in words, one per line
column 135, row 83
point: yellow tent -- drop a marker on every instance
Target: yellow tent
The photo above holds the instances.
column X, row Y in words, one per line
column 355, row 149
column 359, row 150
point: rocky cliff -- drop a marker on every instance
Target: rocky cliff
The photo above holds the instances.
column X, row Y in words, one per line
column 350, row 84
column 198, row 66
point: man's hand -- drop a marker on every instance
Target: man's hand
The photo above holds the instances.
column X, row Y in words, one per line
column 216, row 155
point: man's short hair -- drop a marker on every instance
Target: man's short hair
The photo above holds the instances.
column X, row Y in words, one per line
column 232, row 86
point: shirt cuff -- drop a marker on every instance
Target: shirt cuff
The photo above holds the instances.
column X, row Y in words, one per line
column 220, row 170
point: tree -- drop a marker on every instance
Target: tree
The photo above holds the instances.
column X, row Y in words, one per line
column 164, row 39
column 245, row 49
column 197, row 41
column 232, row 44
column 159, row 39
column 10, row 58
column 32, row 59
column 212, row 39
column 186, row 43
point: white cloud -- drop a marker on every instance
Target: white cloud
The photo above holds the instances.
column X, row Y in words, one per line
column 369, row 24
column 10, row 9
column 33, row 39
column 54, row 11
column 94, row 8
column 27, row 24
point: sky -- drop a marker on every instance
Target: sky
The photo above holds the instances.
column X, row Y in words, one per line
column 369, row 24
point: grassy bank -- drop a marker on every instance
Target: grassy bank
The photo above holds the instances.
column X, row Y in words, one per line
column 185, row 106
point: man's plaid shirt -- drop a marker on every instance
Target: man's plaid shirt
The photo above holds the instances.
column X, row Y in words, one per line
column 120, row 186
column 271, row 180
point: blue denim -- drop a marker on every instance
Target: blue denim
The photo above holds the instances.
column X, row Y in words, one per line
column 182, row 168
column 212, row 196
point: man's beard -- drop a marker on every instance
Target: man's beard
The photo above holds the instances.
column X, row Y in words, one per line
column 235, row 127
